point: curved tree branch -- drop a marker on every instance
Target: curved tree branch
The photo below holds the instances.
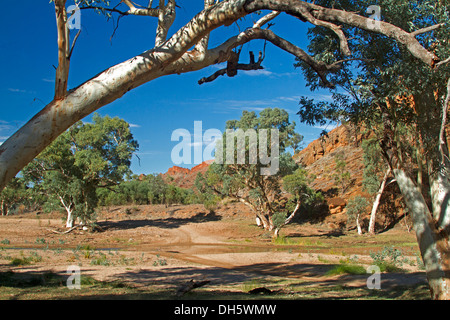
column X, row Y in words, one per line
column 302, row 10
column 172, row 56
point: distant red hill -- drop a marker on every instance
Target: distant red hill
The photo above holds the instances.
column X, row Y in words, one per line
column 184, row 177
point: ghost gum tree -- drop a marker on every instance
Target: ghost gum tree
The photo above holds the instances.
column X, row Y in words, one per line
column 253, row 161
column 84, row 159
column 406, row 104
column 187, row 50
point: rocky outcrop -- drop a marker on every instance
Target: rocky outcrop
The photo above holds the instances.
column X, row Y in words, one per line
column 319, row 158
column 336, row 205
column 342, row 136
column 184, row 177
column 175, row 170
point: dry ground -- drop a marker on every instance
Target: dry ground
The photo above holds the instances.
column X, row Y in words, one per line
column 150, row 251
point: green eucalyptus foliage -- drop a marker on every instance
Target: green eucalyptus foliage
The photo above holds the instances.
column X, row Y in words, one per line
column 86, row 157
column 17, row 193
column 245, row 181
column 356, row 206
column 151, row 189
column 297, row 184
column 367, row 89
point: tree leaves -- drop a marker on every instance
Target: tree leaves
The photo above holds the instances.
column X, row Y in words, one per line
column 86, row 157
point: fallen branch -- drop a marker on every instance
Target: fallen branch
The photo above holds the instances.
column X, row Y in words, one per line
column 63, row 232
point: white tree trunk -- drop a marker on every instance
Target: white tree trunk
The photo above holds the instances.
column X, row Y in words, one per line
column 358, row 225
column 70, row 220
column 433, row 247
column 440, row 197
column 376, row 203
column 4, row 208
column 69, row 209
column 287, row 220
column 113, row 83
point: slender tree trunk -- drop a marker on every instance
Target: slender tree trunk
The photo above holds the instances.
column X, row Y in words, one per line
column 70, row 219
column 4, row 208
column 439, row 177
column 69, row 209
column 376, row 203
column 258, row 221
column 271, row 225
column 288, row 220
column 276, row 233
column 440, row 197
column 433, row 244
column 358, row 225
column 419, row 171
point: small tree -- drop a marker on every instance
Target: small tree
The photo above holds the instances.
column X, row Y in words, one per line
column 375, row 175
column 14, row 194
column 356, row 206
column 245, row 181
column 157, row 189
column 297, row 184
column 84, row 158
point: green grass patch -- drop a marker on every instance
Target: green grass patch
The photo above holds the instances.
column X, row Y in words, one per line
column 345, row 268
column 23, row 260
column 282, row 240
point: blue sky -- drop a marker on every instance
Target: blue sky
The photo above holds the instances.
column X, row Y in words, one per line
column 28, row 54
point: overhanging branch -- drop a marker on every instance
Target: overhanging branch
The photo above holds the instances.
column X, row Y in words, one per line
column 321, row 68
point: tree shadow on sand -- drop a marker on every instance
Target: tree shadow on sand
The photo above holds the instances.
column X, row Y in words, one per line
column 165, row 223
column 304, row 279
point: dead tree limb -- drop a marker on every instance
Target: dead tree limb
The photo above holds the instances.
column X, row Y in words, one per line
column 233, row 66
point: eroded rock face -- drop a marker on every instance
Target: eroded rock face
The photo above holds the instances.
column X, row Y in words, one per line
column 319, row 158
column 340, row 137
column 336, row 205
column 184, row 177
column 177, row 170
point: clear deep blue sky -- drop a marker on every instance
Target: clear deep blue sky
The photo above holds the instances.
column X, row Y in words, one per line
column 28, row 52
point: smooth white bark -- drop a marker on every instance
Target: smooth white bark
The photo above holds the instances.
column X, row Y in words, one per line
column 440, row 197
column 108, row 86
column 358, row 225
column 376, row 202
column 69, row 209
column 434, row 251
column 288, row 219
